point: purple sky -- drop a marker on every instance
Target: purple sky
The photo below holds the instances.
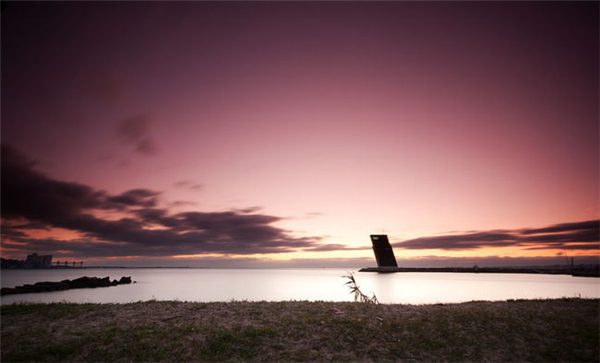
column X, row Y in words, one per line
column 284, row 133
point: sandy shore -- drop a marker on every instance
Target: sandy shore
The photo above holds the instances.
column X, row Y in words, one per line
column 523, row 330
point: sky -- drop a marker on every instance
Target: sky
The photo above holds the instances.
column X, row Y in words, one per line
column 283, row 134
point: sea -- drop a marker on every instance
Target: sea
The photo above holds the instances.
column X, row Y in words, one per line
column 311, row 284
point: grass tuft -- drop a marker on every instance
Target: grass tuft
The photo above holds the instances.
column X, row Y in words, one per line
column 358, row 294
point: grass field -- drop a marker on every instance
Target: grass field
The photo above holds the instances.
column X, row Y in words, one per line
column 522, row 330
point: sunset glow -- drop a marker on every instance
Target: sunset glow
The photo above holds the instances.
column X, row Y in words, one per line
column 274, row 133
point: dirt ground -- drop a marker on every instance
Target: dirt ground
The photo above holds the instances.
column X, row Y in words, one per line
column 538, row 330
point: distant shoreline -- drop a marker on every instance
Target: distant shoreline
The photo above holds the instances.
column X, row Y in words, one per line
column 578, row 270
column 593, row 271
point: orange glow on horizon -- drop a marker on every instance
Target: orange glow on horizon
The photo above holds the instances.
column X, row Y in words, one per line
column 55, row 233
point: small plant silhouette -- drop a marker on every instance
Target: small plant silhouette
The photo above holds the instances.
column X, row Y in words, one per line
column 355, row 289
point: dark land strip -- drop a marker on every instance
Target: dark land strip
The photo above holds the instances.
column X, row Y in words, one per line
column 593, row 271
column 79, row 283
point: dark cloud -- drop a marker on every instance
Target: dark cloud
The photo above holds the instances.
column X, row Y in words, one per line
column 134, row 128
column 12, row 232
column 29, row 194
column 570, row 246
column 26, row 225
column 460, row 242
column 32, row 200
column 147, row 146
column 564, row 227
column 249, row 209
column 151, row 215
column 13, row 229
column 586, row 234
column 336, row 247
column 180, row 203
column 136, row 197
column 146, row 231
column 136, row 131
column 189, row 184
column 587, row 246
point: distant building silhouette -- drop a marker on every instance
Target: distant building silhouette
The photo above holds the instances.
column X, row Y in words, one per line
column 383, row 251
column 36, row 261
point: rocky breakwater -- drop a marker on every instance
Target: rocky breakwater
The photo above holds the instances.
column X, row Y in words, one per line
column 79, row 283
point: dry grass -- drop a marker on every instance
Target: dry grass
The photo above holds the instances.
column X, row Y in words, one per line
column 358, row 294
column 524, row 330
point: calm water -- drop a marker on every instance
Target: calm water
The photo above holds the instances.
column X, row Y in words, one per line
column 298, row 284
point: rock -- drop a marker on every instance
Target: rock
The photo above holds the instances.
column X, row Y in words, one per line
column 105, row 281
column 81, row 282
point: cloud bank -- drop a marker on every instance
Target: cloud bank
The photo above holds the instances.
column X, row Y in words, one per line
column 32, row 200
column 135, row 130
column 580, row 235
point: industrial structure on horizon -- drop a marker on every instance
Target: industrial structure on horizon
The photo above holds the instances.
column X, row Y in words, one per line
column 38, row 261
column 384, row 254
